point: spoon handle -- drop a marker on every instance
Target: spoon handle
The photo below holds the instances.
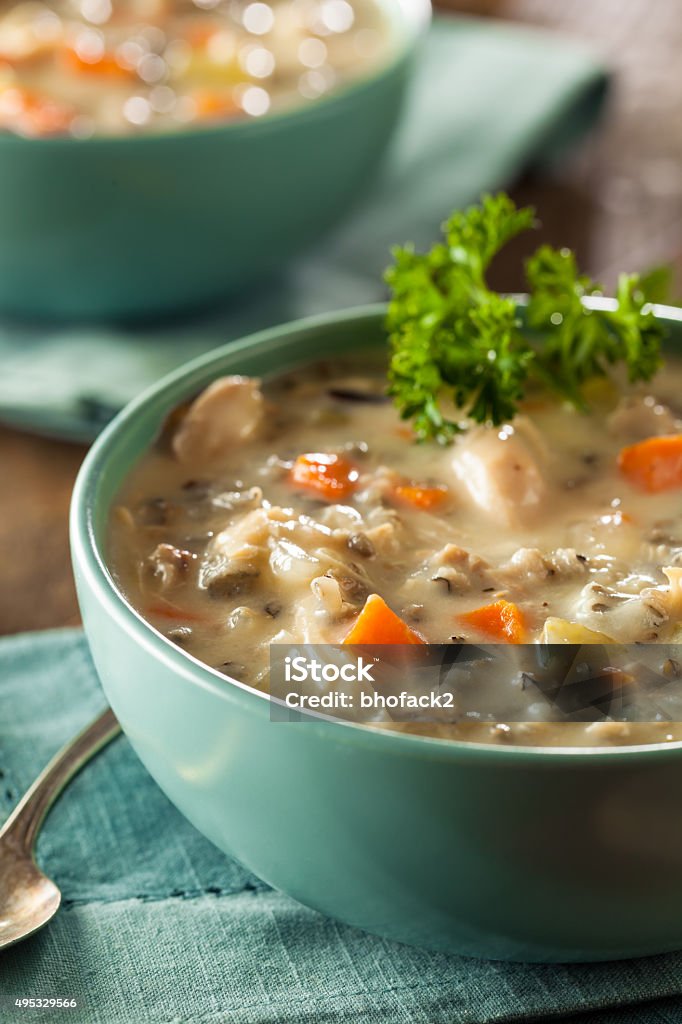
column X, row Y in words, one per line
column 25, row 820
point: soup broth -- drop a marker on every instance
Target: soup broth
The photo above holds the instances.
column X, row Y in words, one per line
column 275, row 513
column 84, row 67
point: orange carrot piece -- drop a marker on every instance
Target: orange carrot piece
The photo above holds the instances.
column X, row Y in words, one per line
column 655, row 464
column 199, row 35
column 502, row 621
column 106, row 65
column 33, row 114
column 214, row 105
column 331, row 477
column 169, row 611
column 421, row 495
column 377, row 624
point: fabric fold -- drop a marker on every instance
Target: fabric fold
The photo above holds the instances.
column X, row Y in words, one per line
column 488, row 100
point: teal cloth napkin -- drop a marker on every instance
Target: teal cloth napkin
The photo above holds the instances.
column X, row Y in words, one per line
column 488, row 100
column 158, row 927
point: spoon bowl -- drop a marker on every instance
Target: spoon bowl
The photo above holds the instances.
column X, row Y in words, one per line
column 28, row 898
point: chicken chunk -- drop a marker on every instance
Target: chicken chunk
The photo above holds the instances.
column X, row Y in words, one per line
column 503, row 472
column 228, row 412
column 637, row 618
column 167, row 565
column 532, row 565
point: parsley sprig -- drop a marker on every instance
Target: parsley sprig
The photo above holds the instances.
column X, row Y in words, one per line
column 456, row 342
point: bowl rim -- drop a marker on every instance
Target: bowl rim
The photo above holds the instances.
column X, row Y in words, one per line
column 411, row 20
column 90, row 562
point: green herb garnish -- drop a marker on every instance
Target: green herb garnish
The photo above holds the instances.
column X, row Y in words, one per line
column 454, row 339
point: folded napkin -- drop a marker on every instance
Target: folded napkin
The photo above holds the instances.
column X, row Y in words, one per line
column 488, row 100
column 158, row 927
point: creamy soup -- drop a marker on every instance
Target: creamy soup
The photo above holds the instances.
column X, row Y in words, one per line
column 85, row 67
column 304, row 511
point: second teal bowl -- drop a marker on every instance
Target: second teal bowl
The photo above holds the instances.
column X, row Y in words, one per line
column 127, row 227
column 501, row 852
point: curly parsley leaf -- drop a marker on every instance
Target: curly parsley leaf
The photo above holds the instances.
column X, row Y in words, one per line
column 474, row 236
column 449, row 333
column 578, row 342
column 657, row 284
column 458, row 353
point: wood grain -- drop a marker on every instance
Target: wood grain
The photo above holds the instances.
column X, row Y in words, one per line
column 618, row 199
column 37, row 477
column 618, row 202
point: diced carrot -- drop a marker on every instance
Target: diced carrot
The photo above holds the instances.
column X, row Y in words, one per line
column 655, row 464
column 214, row 105
column 106, row 65
column 166, row 610
column 32, row 114
column 406, row 433
column 199, row 34
column 332, row 477
column 377, row 624
column 421, row 495
column 502, row 621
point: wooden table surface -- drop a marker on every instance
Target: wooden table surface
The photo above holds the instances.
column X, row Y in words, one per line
column 618, row 202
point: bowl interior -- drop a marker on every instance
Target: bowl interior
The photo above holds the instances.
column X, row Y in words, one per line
column 406, row 22
column 264, row 354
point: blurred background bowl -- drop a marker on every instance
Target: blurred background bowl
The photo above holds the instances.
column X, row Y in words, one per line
column 125, row 227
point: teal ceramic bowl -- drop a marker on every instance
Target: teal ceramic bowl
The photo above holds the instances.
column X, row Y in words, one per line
column 500, row 852
column 128, row 227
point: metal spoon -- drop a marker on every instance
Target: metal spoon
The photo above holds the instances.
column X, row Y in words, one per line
column 28, row 899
